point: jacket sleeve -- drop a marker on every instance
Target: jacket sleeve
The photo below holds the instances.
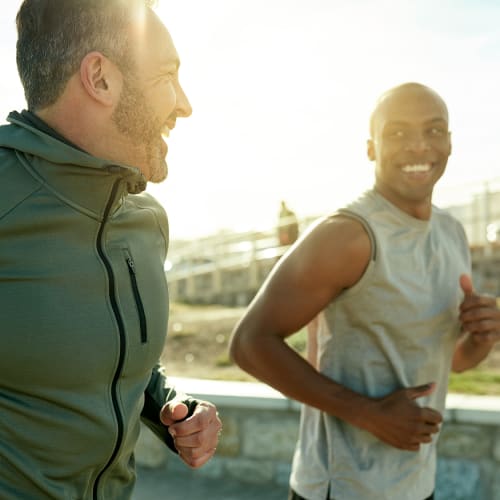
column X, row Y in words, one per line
column 157, row 393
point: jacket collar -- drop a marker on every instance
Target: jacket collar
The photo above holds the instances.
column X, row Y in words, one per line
column 35, row 121
column 72, row 174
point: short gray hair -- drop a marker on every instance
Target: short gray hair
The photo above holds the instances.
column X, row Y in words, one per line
column 55, row 35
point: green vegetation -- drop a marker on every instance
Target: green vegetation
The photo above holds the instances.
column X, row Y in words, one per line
column 478, row 381
column 223, row 361
column 298, row 341
column 198, row 340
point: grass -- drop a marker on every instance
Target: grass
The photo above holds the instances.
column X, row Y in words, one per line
column 298, row 340
column 477, row 381
column 195, row 332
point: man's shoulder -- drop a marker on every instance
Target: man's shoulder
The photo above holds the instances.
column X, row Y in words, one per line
column 339, row 237
column 447, row 227
column 445, row 218
column 17, row 184
column 145, row 200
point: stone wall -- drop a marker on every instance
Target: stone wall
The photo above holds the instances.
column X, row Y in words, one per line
column 261, row 426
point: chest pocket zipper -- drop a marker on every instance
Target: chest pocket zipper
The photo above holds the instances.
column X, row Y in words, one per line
column 137, row 298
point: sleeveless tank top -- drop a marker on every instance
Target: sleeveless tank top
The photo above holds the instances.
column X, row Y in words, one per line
column 396, row 328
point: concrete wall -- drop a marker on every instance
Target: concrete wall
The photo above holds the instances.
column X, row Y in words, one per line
column 260, row 431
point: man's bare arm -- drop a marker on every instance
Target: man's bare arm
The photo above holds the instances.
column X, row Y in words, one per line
column 328, row 259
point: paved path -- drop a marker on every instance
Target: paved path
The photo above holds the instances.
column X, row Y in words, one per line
column 162, row 484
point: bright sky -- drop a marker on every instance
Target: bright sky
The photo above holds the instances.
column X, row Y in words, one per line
column 282, row 91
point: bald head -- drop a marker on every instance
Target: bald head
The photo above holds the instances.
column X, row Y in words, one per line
column 399, row 97
column 410, row 144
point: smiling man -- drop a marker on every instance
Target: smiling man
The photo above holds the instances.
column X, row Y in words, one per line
column 386, row 282
column 410, row 145
column 82, row 285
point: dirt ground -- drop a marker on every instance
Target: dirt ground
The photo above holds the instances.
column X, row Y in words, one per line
column 197, row 343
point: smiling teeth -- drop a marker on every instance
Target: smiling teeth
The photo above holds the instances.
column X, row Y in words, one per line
column 417, row 168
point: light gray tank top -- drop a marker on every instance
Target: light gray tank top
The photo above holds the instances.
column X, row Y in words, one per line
column 396, row 328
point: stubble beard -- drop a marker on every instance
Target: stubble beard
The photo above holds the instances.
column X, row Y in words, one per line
column 135, row 119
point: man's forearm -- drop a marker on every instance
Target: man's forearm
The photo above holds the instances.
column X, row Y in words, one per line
column 469, row 352
column 273, row 362
column 395, row 418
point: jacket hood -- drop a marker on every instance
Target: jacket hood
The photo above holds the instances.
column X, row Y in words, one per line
column 24, row 138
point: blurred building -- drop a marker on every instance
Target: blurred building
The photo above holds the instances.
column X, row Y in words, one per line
column 479, row 212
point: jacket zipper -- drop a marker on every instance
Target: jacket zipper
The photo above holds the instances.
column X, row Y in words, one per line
column 137, row 297
column 121, row 333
